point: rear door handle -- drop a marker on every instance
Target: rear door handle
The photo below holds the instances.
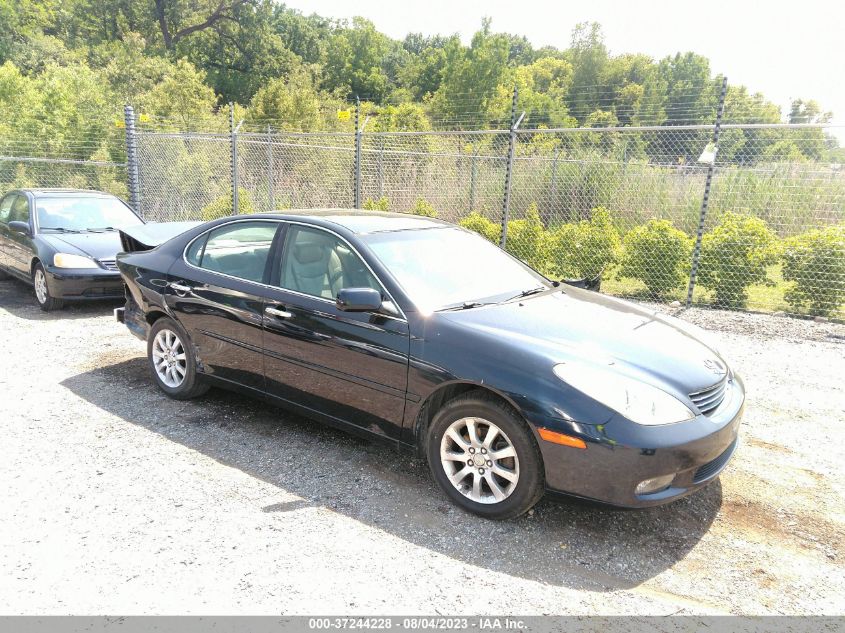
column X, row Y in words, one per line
column 282, row 314
column 180, row 287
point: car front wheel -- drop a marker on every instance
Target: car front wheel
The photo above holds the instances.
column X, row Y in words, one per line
column 172, row 361
column 484, row 457
column 42, row 293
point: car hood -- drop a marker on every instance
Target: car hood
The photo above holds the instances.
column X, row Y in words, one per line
column 584, row 326
column 103, row 245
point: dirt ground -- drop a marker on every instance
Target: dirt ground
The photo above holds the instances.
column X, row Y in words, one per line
column 115, row 499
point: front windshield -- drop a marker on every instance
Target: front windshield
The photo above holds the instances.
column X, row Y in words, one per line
column 81, row 213
column 447, row 267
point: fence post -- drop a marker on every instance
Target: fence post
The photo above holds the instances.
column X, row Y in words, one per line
column 271, row 172
column 357, row 153
column 506, row 203
column 133, row 180
column 233, row 139
column 696, row 253
column 473, row 175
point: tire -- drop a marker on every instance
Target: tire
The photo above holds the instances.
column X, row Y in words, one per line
column 474, row 491
column 172, row 360
column 45, row 301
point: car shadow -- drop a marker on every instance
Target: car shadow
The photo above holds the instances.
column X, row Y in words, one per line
column 563, row 542
column 18, row 298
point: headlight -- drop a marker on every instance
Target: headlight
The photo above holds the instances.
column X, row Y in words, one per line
column 66, row 260
column 637, row 401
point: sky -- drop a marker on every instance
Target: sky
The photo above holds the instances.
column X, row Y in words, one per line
column 786, row 50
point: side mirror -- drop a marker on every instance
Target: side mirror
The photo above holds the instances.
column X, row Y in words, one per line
column 17, row 226
column 358, row 300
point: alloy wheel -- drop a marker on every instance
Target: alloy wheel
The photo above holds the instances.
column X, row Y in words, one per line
column 40, row 283
column 479, row 460
column 169, row 358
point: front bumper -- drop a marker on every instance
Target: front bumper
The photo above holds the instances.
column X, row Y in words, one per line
column 70, row 284
column 623, row 454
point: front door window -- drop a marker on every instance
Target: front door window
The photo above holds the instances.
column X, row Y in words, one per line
column 319, row 264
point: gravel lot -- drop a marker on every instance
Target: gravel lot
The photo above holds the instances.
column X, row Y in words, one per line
column 115, row 499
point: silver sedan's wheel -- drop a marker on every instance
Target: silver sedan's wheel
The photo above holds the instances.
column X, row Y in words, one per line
column 40, row 282
column 169, row 359
column 480, row 460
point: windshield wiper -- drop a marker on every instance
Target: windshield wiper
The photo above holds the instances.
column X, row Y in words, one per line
column 526, row 293
column 60, row 229
column 101, row 229
column 464, row 305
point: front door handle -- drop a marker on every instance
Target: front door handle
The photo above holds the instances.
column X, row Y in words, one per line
column 282, row 314
column 180, row 287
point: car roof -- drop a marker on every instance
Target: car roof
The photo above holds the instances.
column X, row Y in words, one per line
column 362, row 221
column 56, row 191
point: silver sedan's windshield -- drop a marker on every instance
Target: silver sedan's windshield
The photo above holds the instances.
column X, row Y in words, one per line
column 447, row 267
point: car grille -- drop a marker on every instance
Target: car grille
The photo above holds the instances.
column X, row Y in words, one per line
column 108, row 264
column 711, row 468
column 708, row 400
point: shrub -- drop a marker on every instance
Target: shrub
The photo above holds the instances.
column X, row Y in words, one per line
column 586, row 248
column 734, row 255
column 486, row 228
column 527, row 239
column 424, row 207
column 382, row 204
column 657, row 254
column 222, row 207
column 815, row 262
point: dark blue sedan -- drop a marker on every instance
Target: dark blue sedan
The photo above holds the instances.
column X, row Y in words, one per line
column 63, row 242
column 426, row 335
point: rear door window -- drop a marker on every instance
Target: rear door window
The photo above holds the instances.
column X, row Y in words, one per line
column 6, row 208
column 20, row 210
column 240, row 249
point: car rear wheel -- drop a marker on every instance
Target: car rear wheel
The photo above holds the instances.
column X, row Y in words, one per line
column 484, row 457
column 42, row 293
column 172, row 361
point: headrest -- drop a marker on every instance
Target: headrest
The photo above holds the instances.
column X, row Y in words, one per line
column 308, row 253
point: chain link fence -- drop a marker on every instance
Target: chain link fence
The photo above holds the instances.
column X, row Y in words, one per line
column 629, row 206
column 28, row 171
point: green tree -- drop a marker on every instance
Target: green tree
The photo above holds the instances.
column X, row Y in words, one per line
column 292, row 103
column 182, row 97
column 470, row 78
column 222, row 206
column 814, row 263
column 406, row 117
column 382, row 204
column 423, row 72
column 588, row 55
column 354, row 61
column 424, row 207
column 180, row 19
column 305, row 36
column 657, row 254
column 488, row 229
column 585, row 249
column 527, row 239
column 74, row 106
column 242, row 54
column 735, row 255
